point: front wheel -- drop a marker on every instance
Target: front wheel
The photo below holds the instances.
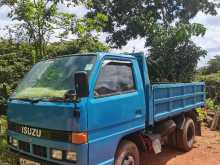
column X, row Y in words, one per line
column 127, row 154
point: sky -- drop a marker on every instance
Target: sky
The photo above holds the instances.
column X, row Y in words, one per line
column 209, row 42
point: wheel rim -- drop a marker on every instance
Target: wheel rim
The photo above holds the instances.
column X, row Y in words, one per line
column 190, row 135
column 128, row 160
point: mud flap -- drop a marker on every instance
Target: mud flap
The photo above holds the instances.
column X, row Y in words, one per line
column 155, row 142
column 156, row 146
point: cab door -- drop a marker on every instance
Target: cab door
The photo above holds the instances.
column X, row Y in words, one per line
column 116, row 107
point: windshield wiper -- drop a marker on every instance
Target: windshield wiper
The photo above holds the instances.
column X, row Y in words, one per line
column 56, row 99
column 22, row 99
column 34, row 101
column 26, row 99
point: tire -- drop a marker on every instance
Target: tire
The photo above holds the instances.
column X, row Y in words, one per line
column 127, row 154
column 186, row 137
column 172, row 140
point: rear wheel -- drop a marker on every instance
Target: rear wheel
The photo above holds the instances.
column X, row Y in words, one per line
column 186, row 137
column 127, row 154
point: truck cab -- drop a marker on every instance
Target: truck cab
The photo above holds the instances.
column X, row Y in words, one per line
column 82, row 109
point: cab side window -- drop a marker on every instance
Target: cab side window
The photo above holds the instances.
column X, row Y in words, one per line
column 115, row 77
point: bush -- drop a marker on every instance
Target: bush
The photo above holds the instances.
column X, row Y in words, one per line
column 202, row 114
column 13, row 66
column 3, row 125
column 5, row 155
column 209, row 104
column 212, row 85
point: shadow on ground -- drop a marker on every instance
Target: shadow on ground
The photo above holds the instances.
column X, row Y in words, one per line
column 160, row 159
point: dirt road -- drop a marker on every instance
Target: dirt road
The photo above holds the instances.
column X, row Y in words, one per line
column 206, row 151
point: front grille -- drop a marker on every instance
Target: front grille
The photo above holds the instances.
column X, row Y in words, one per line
column 24, row 146
column 55, row 135
column 18, row 155
column 39, row 150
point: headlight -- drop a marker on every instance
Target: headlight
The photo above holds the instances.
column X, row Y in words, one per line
column 71, row 156
column 57, row 154
column 15, row 142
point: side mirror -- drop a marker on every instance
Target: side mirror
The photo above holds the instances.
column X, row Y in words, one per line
column 81, row 84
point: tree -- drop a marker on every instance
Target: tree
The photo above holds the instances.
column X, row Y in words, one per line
column 212, row 82
column 129, row 19
column 213, row 65
column 166, row 27
column 38, row 20
column 210, row 74
column 81, row 45
column 15, row 61
column 173, row 57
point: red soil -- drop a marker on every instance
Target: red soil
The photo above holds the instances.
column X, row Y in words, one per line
column 206, row 151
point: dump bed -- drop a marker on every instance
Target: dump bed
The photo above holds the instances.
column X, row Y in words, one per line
column 172, row 99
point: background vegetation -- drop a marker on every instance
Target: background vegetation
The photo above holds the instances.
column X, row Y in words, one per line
column 211, row 75
column 165, row 26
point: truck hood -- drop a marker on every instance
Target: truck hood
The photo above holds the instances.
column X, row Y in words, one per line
column 47, row 115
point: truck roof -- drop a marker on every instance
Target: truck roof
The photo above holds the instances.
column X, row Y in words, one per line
column 115, row 54
column 101, row 54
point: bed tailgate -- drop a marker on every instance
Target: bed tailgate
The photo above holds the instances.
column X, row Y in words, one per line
column 172, row 99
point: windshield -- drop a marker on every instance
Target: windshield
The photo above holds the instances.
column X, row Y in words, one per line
column 53, row 78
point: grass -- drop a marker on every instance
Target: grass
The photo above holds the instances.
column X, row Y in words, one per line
column 6, row 158
column 3, row 124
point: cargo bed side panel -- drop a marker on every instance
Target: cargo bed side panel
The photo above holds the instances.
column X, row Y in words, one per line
column 172, row 99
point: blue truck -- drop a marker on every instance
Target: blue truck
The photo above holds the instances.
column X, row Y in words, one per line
column 99, row 108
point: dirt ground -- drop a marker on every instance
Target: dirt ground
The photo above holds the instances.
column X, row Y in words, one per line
column 206, row 151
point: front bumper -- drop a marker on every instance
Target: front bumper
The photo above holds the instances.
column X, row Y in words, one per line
column 81, row 150
column 16, row 156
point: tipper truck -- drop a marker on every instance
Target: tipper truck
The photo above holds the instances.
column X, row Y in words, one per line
column 99, row 108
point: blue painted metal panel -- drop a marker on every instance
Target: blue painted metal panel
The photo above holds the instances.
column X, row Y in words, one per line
column 52, row 116
column 103, row 142
column 113, row 117
column 60, row 115
column 141, row 59
column 173, row 99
